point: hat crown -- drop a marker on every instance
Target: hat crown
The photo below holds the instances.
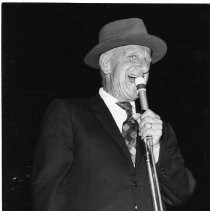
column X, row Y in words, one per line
column 131, row 26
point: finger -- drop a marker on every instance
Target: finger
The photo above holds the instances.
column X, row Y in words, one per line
column 146, row 120
column 136, row 116
column 155, row 126
column 149, row 120
column 154, row 130
column 156, row 134
column 145, row 126
column 148, row 113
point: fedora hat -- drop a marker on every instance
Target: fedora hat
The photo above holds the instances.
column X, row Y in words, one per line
column 123, row 32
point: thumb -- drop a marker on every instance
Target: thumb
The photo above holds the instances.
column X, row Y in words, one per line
column 136, row 116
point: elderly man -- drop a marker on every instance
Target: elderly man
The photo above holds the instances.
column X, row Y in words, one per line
column 86, row 157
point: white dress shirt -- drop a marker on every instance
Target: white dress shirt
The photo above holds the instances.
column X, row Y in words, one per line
column 120, row 115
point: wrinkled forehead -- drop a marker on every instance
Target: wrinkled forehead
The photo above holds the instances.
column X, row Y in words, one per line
column 138, row 48
column 122, row 50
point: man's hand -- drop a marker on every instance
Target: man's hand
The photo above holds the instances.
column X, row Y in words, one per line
column 150, row 124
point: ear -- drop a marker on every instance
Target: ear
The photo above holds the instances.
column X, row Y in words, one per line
column 104, row 63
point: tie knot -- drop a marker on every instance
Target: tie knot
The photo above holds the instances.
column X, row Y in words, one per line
column 125, row 105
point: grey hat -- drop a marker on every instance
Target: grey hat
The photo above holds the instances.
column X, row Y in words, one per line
column 123, row 32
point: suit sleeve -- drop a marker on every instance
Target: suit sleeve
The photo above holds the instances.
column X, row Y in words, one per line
column 53, row 157
column 176, row 181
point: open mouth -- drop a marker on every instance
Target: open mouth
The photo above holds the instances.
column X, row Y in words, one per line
column 132, row 77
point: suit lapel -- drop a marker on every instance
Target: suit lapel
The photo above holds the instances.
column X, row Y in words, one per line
column 103, row 114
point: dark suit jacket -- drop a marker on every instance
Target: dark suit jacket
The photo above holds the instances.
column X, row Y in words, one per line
column 82, row 163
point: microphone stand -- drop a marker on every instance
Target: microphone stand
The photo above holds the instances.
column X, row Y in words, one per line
column 150, row 161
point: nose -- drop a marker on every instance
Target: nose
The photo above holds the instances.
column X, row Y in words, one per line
column 142, row 67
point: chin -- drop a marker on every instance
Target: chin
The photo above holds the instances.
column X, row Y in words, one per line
column 128, row 92
column 132, row 96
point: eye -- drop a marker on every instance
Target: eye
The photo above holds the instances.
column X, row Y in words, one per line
column 133, row 56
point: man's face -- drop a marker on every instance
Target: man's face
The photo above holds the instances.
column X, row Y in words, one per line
column 127, row 63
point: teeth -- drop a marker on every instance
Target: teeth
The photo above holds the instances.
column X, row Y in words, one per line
column 132, row 76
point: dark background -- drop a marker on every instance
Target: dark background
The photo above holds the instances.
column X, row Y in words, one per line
column 43, row 46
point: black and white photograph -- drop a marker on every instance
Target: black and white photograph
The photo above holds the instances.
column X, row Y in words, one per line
column 105, row 106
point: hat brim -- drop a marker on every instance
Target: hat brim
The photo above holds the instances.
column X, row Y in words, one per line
column 157, row 45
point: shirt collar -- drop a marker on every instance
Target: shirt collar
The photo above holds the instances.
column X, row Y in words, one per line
column 109, row 99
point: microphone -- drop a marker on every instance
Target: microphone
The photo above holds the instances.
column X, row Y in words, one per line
column 141, row 91
column 149, row 154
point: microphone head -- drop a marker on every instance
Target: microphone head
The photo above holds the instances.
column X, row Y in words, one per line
column 140, row 84
column 141, row 92
column 139, row 80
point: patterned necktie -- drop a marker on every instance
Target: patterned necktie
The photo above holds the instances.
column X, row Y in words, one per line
column 129, row 129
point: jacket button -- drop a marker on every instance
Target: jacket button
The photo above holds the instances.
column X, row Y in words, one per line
column 135, row 183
